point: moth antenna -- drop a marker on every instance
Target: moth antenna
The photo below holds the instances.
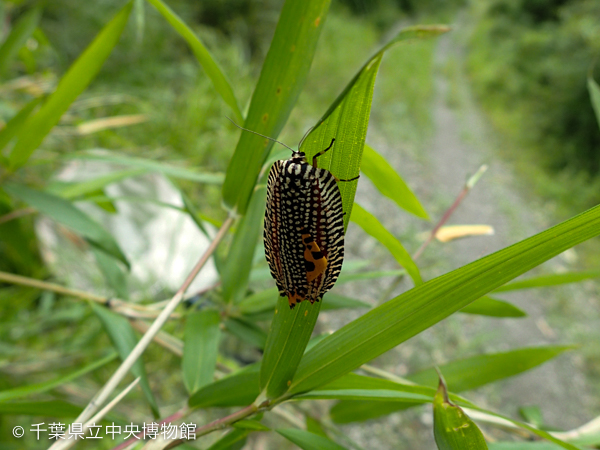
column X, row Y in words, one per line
column 266, row 137
column 304, row 137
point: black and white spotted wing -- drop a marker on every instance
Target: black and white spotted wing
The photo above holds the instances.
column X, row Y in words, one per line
column 304, row 229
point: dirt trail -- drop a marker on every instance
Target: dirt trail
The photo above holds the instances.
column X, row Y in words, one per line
column 460, row 144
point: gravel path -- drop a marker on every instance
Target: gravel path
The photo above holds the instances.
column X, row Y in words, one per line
column 460, row 144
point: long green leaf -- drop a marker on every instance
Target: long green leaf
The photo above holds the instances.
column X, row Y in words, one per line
column 549, row 280
column 594, row 90
column 238, row 264
column 49, row 408
column 14, row 125
column 38, row 388
column 206, row 60
column 523, row 446
column 452, row 428
column 282, row 77
column 200, row 349
column 471, row 373
column 151, row 166
column 238, row 389
column 124, row 340
column 63, row 212
column 462, row 375
column 307, row 440
column 18, row 36
column 73, row 83
column 414, row 311
column 369, row 223
column 233, row 438
column 247, row 332
column 82, row 188
column 290, row 332
column 492, row 307
column 389, row 183
column 347, row 119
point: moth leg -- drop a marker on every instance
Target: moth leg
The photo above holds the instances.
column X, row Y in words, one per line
column 322, row 152
column 351, row 179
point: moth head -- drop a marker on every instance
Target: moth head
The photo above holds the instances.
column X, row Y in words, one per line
column 298, row 157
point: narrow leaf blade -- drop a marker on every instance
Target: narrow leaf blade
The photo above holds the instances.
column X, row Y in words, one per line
column 201, row 345
column 389, row 183
column 452, row 428
column 410, row 313
column 38, row 388
column 238, row 389
column 238, row 264
column 73, row 83
column 206, row 60
column 549, row 280
column 282, row 77
column 65, row 213
column 289, row 334
column 369, row 223
column 492, row 307
column 21, row 31
column 307, row 440
column 594, row 90
column 14, row 125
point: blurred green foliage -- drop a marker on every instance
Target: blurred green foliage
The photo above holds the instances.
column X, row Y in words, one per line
column 529, row 62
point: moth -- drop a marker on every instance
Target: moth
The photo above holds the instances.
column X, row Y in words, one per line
column 304, row 228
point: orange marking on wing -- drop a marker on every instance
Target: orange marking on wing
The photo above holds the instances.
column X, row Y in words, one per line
column 316, row 263
column 293, row 299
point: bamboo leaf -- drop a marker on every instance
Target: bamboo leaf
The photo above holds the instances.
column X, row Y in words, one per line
column 83, row 188
column 151, row 166
column 347, row 119
column 200, row 350
column 49, row 408
column 38, row 388
column 289, row 333
column 594, row 90
column 73, row 83
column 15, row 124
column 369, row 223
column 238, row 389
column 247, row 332
column 488, row 306
column 414, row 311
column 281, row 80
column 471, row 373
column 124, row 340
column 307, row 440
column 389, row 183
column 63, row 212
column 452, row 428
column 464, row 374
column 206, row 60
column 238, row 264
column 233, row 438
column 18, row 36
column 549, row 280
column 523, row 446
